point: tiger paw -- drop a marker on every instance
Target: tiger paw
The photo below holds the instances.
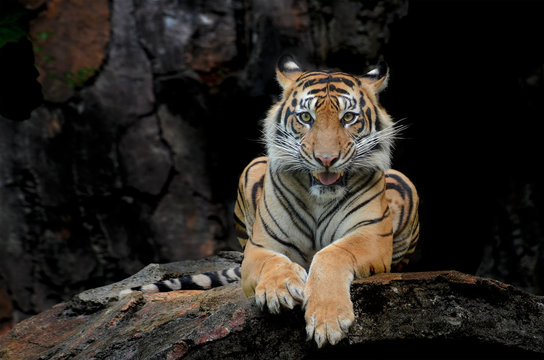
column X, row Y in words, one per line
column 282, row 287
column 328, row 319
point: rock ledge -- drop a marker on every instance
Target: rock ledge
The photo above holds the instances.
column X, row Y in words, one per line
column 431, row 314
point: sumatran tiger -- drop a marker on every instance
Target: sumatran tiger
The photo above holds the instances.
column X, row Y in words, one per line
column 323, row 207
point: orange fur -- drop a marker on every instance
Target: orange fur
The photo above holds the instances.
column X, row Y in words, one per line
column 305, row 239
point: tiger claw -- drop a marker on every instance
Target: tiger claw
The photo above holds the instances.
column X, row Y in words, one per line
column 281, row 289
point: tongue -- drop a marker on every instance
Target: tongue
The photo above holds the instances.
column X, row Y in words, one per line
column 328, row 178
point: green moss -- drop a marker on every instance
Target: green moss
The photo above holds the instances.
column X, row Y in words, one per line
column 11, row 28
column 79, row 77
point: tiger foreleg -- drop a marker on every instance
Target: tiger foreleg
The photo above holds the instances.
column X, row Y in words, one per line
column 328, row 307
column 275, row 280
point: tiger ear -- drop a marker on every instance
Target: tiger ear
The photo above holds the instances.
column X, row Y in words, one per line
column 287, row 71
column 377, row 78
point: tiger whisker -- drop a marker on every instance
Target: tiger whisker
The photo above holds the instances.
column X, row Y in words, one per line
column 286, row 150
column 374, row 150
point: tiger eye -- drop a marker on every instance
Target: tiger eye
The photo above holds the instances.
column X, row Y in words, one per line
column 348, row 117
column 305, row 117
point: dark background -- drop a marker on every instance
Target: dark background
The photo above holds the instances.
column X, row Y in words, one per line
column 145, row 155
column 472, row 87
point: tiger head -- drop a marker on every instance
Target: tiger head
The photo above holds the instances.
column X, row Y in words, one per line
column 328, row 125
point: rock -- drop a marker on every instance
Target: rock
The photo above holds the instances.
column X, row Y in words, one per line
column 144, row 156
column 124, row 88
column 6, row 310
column 92, row 300
column 70, row 42
column 441, row 314
column 32, row 4
column 200, row 35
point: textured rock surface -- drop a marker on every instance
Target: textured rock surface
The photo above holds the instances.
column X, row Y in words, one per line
column 131, row 159
column 437, row 314
column 70, row 42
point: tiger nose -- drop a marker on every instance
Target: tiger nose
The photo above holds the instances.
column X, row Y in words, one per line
column 326, row 160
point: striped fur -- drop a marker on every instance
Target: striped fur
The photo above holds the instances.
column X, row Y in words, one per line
column 323, row 207
column 202, row 281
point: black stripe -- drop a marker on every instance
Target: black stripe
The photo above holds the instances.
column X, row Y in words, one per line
column 225, row 274
column 336, row 103
column 228, row 277
column 294, row 131
column 288, row 113
column 254, row 243
column 294, row 101
column 288, row 206
column 348, row 147
column 242, row 235
column 362, row 101
column 349, row 195
column 162, row 287
column 408, row 191
column 187, row 283
column 369, row 221
column 400, row 181
column 363, row 204
column 368, row 115
column 352, row 197
column 282, row 242
column 344, row 80
column 238, row 272
column 313, row 73
column 339, row 90
column 378, row 122
column 315, row 91
column 311, row 82
column 272, row 217
column 278, row 120
column 250, row 167
column 399, row 188
column 239, row 199
column 258, row 185
column 215, row 279
column 238, row 221
column 300, row 203
column 362, row 187
column 402, row 191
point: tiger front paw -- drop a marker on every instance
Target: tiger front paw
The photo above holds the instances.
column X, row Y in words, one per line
column 282, row 287
column 328, row 319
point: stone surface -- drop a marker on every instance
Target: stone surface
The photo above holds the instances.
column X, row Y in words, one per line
column 32, row 4
column 124, row 88
column 199, row 35
column 145, row 159
column 70, row 41
column 437, row 314
column 6, row 310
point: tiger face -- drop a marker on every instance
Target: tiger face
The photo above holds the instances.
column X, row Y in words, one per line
column 328, row 126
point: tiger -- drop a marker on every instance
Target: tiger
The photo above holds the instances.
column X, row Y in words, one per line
column 323, row 207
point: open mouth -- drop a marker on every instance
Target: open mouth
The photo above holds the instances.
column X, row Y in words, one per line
column 327, row 178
